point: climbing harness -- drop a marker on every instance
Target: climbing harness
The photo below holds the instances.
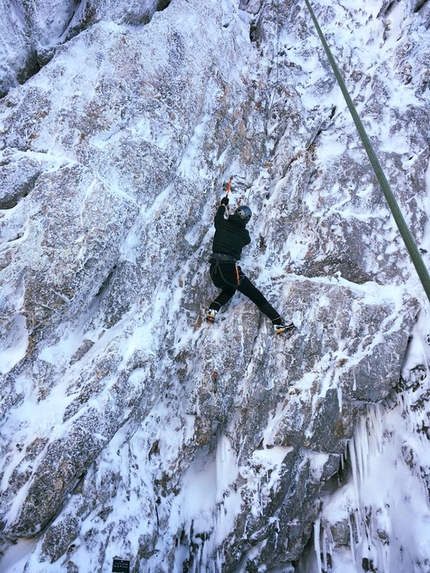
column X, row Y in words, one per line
column 391, row 200
column 218, row 259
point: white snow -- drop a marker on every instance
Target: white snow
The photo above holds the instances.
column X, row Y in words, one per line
column 371, row 502
column 386, row 499
column 205, row 502
column 17, row 344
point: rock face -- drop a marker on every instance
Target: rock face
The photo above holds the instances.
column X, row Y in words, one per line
column 129, row 427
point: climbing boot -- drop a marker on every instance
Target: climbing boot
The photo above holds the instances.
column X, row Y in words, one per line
column 287, row 327
column 211, row 314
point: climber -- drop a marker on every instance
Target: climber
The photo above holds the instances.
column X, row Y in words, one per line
column 230, row 237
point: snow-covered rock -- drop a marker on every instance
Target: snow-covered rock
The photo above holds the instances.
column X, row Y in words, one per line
column 129, row 426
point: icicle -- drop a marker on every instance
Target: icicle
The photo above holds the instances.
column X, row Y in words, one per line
column 361, row 446
column 339, row 398
column 317, row 544
column 328, row 545
column 375, row 415
column 343, row 458
column 324, row 549
column 364, row 449
column 355, row 470
column 351, row 538
column 223, row 449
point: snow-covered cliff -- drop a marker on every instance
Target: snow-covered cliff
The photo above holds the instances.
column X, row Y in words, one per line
column 129, row 426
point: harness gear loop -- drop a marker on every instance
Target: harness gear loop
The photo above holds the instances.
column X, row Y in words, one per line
column 237, row 274
column 385, row 186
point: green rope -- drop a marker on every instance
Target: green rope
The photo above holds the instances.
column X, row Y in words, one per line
column 395, row 210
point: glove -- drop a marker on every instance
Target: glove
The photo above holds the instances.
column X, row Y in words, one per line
column 224, row 201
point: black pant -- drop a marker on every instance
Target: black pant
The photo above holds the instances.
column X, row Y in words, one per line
column 230, row 278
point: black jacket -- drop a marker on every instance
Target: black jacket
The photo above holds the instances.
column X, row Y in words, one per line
column 230, row 234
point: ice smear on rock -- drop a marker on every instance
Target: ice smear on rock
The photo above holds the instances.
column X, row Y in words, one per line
column 131, row 428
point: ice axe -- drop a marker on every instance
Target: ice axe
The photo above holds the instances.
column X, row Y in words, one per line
column 227, row 186
column 227, row 189
column 239, row 186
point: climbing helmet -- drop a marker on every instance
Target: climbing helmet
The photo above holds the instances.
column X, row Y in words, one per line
column 244, row 213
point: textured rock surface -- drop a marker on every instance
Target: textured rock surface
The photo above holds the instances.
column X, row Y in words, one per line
column 128, row 427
